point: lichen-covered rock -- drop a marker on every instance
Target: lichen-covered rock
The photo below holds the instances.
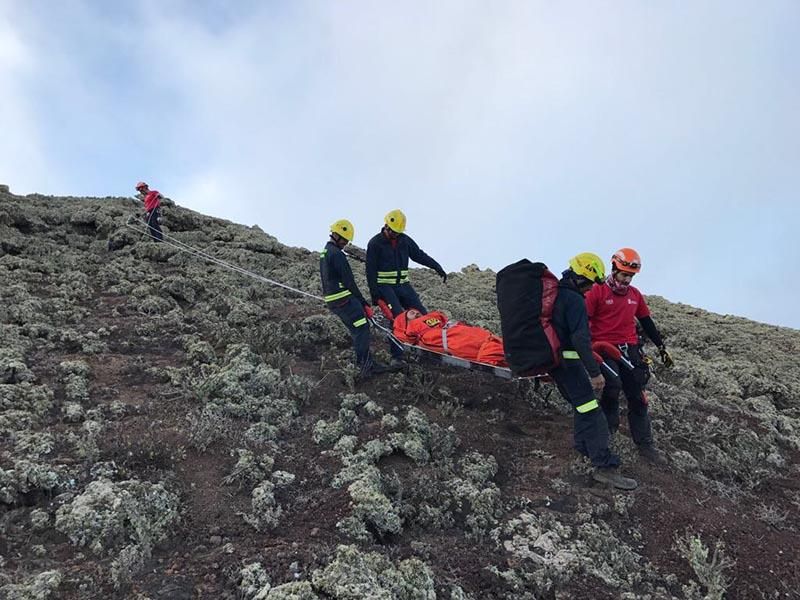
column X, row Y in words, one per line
column 33, row 445
column 26, row 477
column 372, row 509
column 283, row 478
column 244, row 387
column 13, row 369
column 250, row 468
column 547, row 553
column 38, row 587
column 40, row 520
column 180, row 288
column 320, row 330
column 389, row 422
column 266, row 510
column 328, row 432
column 355, row 575
column 353, row 401
column 23, row 402
column 73, row 412
column 254, row 582
column 423, row 440
column 295, row 590
column 200, row 352
column 75, row 374
column 108, row 515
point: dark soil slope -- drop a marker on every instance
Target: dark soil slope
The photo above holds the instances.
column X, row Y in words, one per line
column 173, row 429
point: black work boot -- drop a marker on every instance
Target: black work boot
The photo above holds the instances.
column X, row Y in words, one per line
column 652, row 454
column 611, row 476
column 369, row 370
column 377, row 368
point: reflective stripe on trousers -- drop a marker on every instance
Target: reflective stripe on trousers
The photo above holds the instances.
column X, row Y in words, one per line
column 337, row 296
column 586, row 406
column 591, row 405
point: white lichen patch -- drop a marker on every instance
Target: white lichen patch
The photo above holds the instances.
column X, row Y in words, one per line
column 355, row 575
column 122, row 519
column 39, row 587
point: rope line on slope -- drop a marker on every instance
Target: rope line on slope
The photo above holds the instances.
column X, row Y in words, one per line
column 184, row 247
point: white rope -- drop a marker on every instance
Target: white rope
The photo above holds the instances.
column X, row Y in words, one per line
column 183, row 247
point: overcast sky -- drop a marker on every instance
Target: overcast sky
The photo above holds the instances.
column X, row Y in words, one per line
column 502, row 129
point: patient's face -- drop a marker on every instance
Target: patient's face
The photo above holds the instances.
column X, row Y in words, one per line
column 412, row 314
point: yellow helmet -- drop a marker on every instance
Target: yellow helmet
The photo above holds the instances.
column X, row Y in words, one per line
column 395, row 220
column 344, row 228
column 588, row 265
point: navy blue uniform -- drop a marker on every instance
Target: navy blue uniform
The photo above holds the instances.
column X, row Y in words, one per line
column 632, row 382
column 343, row 298
column 387, row 274
column 571, row 323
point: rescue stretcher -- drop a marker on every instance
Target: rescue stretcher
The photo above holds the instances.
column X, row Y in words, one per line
column 382, row 323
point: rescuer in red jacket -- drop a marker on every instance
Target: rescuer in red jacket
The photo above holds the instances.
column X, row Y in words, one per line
column 614, row 307
column 152, row 210
column 434, row 331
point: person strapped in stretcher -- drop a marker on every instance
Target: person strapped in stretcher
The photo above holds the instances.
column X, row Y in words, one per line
column 434, row 331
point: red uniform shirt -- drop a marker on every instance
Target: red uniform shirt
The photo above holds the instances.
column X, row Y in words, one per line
column 611, row 316
column 152, row 200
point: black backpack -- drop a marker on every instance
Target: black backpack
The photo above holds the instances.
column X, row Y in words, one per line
column 526, row 293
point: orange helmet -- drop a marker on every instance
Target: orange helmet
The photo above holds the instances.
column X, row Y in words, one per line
column 626, row 260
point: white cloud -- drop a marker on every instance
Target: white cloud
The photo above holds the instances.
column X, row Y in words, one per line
column 510, row 129
column 22, row 162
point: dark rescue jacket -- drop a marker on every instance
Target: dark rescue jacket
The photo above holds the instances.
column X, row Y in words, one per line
column 387, row 261
column 338, row 283
column 571, row 323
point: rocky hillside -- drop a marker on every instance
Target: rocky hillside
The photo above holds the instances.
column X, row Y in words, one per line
column 172, row 429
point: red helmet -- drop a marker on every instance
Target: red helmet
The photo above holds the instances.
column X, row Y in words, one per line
column 141, row 185
column 626, row 260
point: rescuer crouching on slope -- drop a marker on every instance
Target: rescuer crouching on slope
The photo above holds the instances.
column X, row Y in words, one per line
column 579, row 389
column 613, row 307
column 344, row 299
column 388, row 253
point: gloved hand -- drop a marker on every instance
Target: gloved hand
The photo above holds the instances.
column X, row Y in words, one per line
column 666, row 358
column 385, row 309
column 368, row 312
column 443, row 275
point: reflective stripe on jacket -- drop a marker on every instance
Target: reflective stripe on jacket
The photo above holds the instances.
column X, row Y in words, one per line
column 337, row 276
column 387, row 261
